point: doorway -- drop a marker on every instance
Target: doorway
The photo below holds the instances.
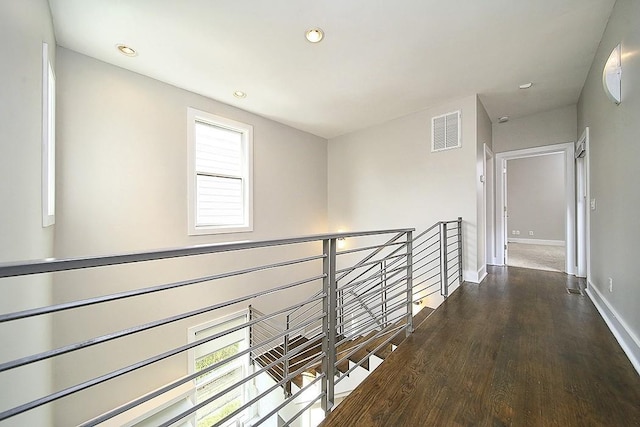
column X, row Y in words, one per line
column 502, row 234
column 535, row 212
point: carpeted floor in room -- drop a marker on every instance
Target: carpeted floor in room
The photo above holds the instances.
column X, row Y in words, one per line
column 539, row 257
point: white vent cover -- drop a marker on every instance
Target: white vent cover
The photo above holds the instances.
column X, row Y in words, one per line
column 445, row 131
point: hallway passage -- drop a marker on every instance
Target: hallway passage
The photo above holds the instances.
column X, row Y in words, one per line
column 518, row 349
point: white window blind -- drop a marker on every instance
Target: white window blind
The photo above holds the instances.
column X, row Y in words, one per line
column 220, row 179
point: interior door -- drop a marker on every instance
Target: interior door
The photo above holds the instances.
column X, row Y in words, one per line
column 505, row 213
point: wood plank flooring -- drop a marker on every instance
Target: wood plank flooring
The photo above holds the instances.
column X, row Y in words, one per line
column 515, row 350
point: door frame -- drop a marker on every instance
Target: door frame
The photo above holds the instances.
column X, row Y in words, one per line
column 488, row 196
column 583, row 213
column 568, row 149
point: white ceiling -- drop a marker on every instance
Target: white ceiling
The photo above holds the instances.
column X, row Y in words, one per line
column 379, row 59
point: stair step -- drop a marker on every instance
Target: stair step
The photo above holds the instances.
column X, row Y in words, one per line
column 358, row 355
column 421, row 316
column 276, row 371
column 315, row 347
column 306, row 355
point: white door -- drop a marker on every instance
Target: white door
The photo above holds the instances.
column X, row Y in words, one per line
column 505, row 213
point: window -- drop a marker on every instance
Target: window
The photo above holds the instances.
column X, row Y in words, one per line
column 48, row 139
column 213, row 382
column 220, row 174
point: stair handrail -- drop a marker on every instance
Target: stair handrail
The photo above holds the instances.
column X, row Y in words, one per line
column 396, row 293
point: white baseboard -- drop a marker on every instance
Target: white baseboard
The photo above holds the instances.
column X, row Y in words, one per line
column 470, row 276
column 536, row 241
column 475, row 276
column 626, row 338
column 482, row 273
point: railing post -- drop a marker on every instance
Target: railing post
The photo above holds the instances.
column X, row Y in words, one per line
column 329, row 324
column 409, row 329
column 340, row 313
column 460, row 251
column 251, row 355
column 383, row 282
column 285, row 349
column 444, row 282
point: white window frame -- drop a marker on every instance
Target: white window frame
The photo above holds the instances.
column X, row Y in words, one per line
column 48, row 139
column 242, row 360
column 246, row 130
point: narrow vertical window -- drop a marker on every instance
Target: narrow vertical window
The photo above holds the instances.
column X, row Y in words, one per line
column 48, row 139
column 220, row 166
column 221, row 389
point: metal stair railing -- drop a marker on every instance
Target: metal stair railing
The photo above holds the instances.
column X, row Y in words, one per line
column 304, row 324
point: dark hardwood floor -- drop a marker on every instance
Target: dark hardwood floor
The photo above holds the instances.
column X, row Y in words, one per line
column 517, row 349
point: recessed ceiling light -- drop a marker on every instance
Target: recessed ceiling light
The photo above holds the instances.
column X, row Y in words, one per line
column 526, row 85
column 503, row 119
column 239, row 94
column 126, row 50
column 314, row 35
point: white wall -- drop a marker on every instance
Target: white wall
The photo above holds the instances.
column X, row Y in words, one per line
column 536, row 198
column 123, row 164
column 546, row 128
column 122, row 181
column 614, row 130
column 387, row 177
column 24, row 26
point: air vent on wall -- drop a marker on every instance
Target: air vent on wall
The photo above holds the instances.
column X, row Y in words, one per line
column 445, row 131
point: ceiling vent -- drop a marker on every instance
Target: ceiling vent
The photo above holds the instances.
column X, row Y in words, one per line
column 445, row 131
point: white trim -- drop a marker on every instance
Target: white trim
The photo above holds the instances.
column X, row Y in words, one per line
column 488, row 196
column 583, row 211
column 482, row 273
column 146, row 410
column 247, row 137
column 570, row 208
column 624, row 335
column 537, row 241
column 48, row 139
column 474, row 276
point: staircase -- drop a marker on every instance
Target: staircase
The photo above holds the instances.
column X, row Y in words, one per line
column 357, row 350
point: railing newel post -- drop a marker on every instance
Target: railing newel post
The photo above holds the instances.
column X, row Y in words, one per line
column 383, row 281
column 444, row 279
column 285, row 349
column 251, row 355
column 409, row 329
column 329, row 324
column 460, row 276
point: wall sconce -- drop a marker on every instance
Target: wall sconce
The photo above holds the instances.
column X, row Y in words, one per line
column 342, row 242
column 612, row 75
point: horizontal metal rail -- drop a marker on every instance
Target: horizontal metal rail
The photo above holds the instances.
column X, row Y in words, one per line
column 369, row 299
column 126, row 332
column 24, row 268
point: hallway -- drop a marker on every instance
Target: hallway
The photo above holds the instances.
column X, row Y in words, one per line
column 537, row 257
column 517, row 349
